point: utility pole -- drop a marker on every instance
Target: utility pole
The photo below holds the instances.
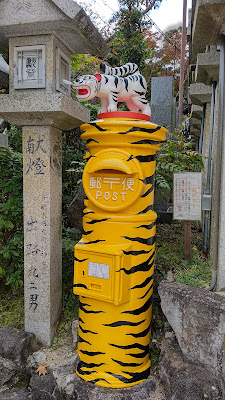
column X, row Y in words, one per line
column 183, row 45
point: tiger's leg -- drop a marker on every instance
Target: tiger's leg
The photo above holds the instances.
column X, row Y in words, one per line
column 113, row 99
column 142, row 104
column 104, row 105
column 132, row 107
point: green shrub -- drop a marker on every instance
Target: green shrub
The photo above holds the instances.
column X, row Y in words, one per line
column 176, row 155
column 11, row 217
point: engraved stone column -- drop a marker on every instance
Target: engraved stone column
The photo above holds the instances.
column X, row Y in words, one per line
column 42, row 229
column 41, row 36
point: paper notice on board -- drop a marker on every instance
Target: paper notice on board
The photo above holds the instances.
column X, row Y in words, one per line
column 187, row 196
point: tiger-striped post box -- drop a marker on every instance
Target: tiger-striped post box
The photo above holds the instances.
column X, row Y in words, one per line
column 115, row 257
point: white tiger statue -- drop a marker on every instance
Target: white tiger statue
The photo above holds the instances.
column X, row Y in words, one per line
column 111, row 89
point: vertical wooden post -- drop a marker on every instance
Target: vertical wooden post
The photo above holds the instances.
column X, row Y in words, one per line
column 187, row 240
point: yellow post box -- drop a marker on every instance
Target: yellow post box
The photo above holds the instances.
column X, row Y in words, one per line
column 114, row 261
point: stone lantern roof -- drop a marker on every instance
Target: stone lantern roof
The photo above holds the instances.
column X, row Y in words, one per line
column 65, row 18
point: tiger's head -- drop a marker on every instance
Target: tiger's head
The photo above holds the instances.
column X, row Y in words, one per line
column 87, row 86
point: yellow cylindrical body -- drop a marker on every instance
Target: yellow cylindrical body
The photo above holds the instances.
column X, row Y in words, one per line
column 114, row 260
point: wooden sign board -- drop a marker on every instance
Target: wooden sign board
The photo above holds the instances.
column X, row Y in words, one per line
column 187, row 196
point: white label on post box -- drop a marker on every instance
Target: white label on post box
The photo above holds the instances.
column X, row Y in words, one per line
column 98, row 270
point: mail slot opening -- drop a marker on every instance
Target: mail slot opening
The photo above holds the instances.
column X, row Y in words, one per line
column 95, row 286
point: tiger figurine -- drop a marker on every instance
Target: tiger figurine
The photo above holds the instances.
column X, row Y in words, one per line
column 111, row 88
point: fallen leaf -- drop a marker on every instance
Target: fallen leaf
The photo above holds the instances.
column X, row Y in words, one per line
column 42, row 369
column 195, row 248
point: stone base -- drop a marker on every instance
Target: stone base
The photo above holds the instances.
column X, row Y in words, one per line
column 76, row 388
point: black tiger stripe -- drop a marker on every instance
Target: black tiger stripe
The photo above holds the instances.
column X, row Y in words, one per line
column 88, row 158
column 84, row 364
column 135, row 376
column 81, row 285
column 124, row 364
column 89, row 311
column 103, row 67
column 125, row 69
column 140, row 129
column 140, row 93
column 82, row 260
column 135, row 252
column 91, row 140
column 85, row 304
column 140, row 334
column 150, row 190
column 95, row 221
column 147, row 292
column 144, row 266
column 106, row 79
column 80, row 320
column 143, row 284
column 126, row 83
column 147, row 141
column 143, row 102
column 82, row 340
column 116, row 80
column 124, row 323
column 150, row 226
column 94, row 381
column 148, row 208
column 86, row 232
column 130, row 158
column 130, row 346
column 148, row 179
column 141, row 82
column 89, row 212
column 149, row 241
column 148, row 158
column 81, row 372
column 139, row 355
column 91, row 353
column 121, row 70
column 95, row 241
column 141, row 309
column 87, row 331
column 97, row 127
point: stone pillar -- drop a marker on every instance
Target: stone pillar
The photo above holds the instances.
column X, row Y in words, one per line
column 41, row 37
column 205, row 142
column 42, row 188
column 162, row 103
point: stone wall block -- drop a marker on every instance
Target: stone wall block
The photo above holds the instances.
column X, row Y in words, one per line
column 183, row 380
column 16, row 345
column 15, row 394
column 44, row 388
column 197, row 317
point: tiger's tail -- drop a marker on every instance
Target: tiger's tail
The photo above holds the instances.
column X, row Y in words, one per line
column 129, row 68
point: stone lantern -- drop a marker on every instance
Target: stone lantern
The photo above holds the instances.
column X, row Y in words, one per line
column 41, row 36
